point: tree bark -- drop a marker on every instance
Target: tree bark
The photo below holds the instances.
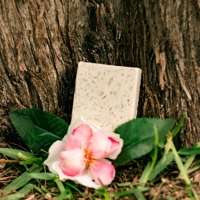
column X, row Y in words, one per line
column 42, row 41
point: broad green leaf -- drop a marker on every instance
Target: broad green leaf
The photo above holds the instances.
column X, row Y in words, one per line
column 44, row 176
column 38, row 129
column 161, row 165
column 21, row 180
column 162, row 143
column 15, row 153
column 138, row 135
column 189, row 151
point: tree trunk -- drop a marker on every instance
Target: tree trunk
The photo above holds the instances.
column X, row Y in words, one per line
column 42, row 41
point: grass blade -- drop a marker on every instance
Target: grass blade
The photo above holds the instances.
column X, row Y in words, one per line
column 75, row 188
column 189, row 151
column 138, row 194
column 161, row 165
column 66, row 194
column 44, row 176
column 15, row 153
column 60, row 185
column 178, row 127
column 183, row 172
column 149, row 167
column 20, row 194
column 129, row 192
column 21, row 180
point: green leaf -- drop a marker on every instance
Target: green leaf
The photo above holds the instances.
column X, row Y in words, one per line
column 66, row 194
column 189, row 151
column 126, row 184
column 138, row 135
column 15, row 153
column 38, row 129
column 73, row 186
column 37, row 161
column 178, row 127
column 161, row 165
column 21, row 180
column 23, row 192
column 44, row 176
column 136, row 191
column 154, row 154
column 20, row 194
column 191, row 158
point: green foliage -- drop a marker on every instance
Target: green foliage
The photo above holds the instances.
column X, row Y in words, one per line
column 138, row 135
column 161, row 165
column 16, row 153
column 44, row 176
column 178, row 126
column 189, row 151
column 20, row 194
column 38, row 129
column 21, row 180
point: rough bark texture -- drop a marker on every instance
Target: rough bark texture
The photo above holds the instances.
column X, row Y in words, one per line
column 42, row 41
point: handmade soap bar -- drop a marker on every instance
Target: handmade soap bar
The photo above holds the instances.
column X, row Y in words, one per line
column 106, row 95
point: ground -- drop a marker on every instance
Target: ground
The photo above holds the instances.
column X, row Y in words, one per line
column 166, row 186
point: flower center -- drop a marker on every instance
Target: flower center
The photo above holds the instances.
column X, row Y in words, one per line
column 88, row 158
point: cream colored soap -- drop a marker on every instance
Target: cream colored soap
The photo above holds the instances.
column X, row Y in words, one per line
column 106, row 95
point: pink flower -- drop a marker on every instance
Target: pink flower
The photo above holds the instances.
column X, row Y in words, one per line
column 81, row 155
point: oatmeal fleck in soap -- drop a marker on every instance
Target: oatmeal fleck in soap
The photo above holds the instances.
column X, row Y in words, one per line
column 106, row 95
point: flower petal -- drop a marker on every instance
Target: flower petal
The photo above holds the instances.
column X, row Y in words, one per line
column 104, row 171
column 74, row 125
column 99, row 145
column 87, row 181
column 72, row 162
column 84, row 179
column 54, row 152
column 57, row 169
column 116, row 145
column 79, row 138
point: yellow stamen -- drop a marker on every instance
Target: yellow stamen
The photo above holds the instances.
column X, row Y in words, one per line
column 88, row 158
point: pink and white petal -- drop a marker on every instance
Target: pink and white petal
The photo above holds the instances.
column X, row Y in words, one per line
column 99, row 145
column 93, row 126
column 104, row 171
column 79, row 138
column 114, row 152
column 87, row 180
column 54, row 151
column 57, row 169
column 77, row 122
column 116, row 147
column 84, row 179
column 72, row 162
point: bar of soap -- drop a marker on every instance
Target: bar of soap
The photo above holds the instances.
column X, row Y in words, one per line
column 106, row 95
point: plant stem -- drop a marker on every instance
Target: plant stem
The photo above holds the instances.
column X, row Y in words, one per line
column 9, row 161
column 183, row 171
